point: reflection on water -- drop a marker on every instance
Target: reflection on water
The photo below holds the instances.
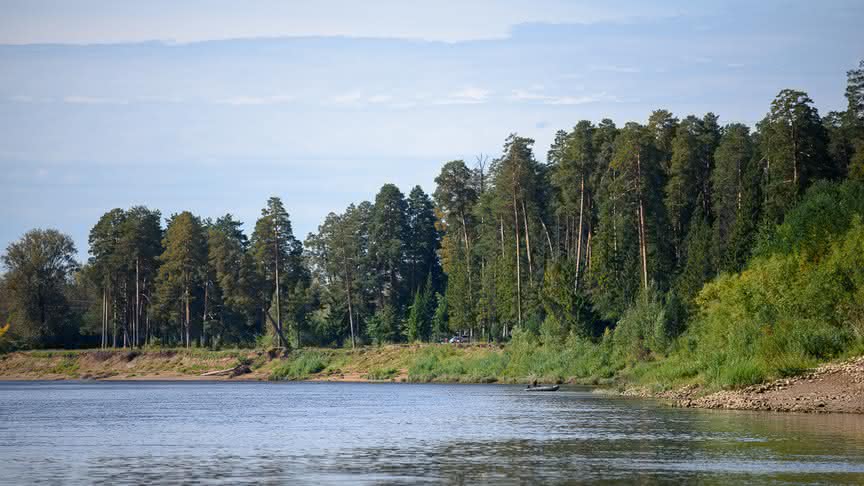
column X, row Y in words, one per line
column 235, row 433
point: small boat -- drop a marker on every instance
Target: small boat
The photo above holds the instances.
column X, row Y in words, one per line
column 549, row 388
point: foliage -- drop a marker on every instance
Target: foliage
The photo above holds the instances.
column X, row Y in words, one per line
column 385, row 326
column 40, row 265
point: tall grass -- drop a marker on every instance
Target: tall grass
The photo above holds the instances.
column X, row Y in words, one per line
column 300, row 365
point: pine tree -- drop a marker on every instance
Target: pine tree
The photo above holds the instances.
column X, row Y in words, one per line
column 387, row 246
column 422, row 241
column 794, row 150
column 278, row 260
column 735, row 188
column 232, row 313
column 180, row 281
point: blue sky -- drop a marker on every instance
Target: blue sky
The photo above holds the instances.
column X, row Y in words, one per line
column 214, row 106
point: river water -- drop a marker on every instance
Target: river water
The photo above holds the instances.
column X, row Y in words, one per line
column 276, row 433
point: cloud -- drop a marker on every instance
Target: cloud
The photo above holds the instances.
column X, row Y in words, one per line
column 346, row 99
column 529, row 96
column 524, row 95
column 381, row 98
column 581, row 100
column 255, row 100
column 465, row 96
column 613, row 69
column 92, row 100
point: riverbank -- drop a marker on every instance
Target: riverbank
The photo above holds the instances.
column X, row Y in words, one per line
column 384, row 363
column 833, row 387
column 829, row 388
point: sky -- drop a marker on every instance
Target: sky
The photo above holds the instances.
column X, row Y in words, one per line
column 215, row 106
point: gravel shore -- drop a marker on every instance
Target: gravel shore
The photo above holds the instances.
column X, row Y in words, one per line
column 830, row 388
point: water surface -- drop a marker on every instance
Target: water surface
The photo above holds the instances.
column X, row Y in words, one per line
column 274, row 433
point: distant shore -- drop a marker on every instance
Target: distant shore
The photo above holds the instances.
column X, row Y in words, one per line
column 833, row 387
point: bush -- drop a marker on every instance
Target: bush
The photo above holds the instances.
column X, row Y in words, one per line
column 795, row 305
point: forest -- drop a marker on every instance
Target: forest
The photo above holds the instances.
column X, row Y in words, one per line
column 730, row 250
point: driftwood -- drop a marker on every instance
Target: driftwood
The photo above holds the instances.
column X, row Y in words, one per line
column 232, row 372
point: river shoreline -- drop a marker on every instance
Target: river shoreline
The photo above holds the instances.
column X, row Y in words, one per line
column 830, row 388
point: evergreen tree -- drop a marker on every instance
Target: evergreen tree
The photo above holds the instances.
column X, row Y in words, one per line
column 794, row 150
column 387, row 245
column 182, row 272
column 419, row 325
column 572, row 170
column 278, row 261
column 231, row 315
column 422, row 241
column 736, row 205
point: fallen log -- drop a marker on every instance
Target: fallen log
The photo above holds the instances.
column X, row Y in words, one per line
column 238, row 370
column 219, row 372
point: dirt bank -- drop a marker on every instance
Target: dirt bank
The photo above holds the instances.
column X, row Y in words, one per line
column 386, row 363
column 833, row 387
column 124, row 365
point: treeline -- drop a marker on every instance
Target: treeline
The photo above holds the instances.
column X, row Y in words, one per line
column 616, row 219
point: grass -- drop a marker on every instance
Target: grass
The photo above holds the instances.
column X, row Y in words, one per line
column 300, row 365
column 382, row 374
column 523, row 360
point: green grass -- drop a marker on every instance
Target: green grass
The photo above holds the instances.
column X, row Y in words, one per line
column 300, row 365
column 382, row 374
column 67, row 366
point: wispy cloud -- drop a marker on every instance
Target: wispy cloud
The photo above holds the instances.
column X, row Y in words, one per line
column 581, row 100
column 465, row 96
column 379, row 98
column 255, row 100
column 613, row 68
column 350, row 98
column 533, row 96
column 526, row 95
column 93, row 100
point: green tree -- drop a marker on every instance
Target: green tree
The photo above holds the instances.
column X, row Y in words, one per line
column 106, row 262
column 422, row 241
column 385, row 326
column 182, row 271
column 39, row 266
column 794, row 150
column 232, row 283
column 278, row 262
column 853, row 121
column 419, row 324
column 632, row 250
column 572, row 170
column 736, row 205
column 387, row 244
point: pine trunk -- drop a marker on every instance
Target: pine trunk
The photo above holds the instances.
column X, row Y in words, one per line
column 518, row 264
column 643, row 245
column 579, row 238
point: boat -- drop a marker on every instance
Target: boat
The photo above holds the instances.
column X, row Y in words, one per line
column 542, row 388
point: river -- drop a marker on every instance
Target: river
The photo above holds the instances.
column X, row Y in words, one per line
column 275, row 433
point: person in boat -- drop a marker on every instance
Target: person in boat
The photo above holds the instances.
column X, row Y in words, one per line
column 534, row 384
